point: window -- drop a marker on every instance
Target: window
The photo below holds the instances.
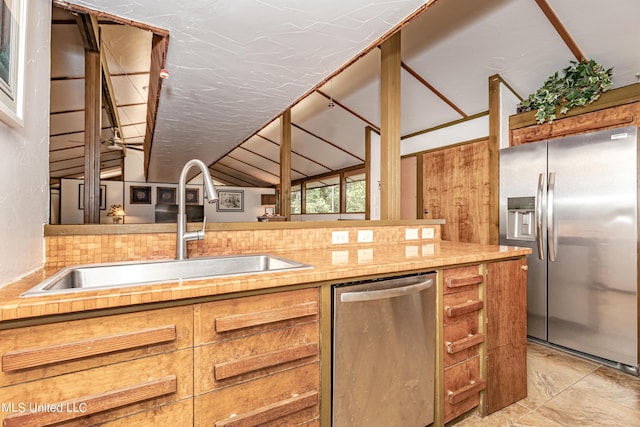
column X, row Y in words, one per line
column 355, row 189
column 296, row 199
column 323, row 196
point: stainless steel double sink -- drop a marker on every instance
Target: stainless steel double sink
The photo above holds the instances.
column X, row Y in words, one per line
column 135, row 273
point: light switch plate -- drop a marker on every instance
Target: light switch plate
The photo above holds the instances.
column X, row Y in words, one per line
column 339, row 237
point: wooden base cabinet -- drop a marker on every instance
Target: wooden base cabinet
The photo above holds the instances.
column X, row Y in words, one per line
column 484, row 333
column 506, row 330
column 258, row 360
column 462, row 337
column 94, row 371
column 240, row 362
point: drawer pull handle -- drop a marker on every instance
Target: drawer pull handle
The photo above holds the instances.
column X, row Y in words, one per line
column 40, row 356
column 226, row 370
column 272, row 412
column 239, row 321
column 467, row 307
column 474, row 387
column 458, row 282
column 92, row 404
column 465, row 343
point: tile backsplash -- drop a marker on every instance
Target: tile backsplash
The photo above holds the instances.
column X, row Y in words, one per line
column 64, row 250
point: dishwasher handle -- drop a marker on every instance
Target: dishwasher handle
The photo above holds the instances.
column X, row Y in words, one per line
column 363, row 296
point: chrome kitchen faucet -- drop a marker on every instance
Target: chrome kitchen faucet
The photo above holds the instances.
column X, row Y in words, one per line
column 183, row 236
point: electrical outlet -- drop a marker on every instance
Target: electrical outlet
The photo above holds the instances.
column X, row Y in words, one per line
column 411, row 234
column 428, row 233
column 339, row 237
column 365, row 236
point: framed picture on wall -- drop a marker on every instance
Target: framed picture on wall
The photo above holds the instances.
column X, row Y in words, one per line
column 12, row 41
column 103, row 197
column 166, row 196
column 192, row 196
column 230, row 201
column 140, row 195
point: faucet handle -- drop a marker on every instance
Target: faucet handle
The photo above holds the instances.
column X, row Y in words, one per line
column 200, row 233
column 196, row 235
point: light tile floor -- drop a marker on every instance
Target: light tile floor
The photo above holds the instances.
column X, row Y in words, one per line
column 568, row 391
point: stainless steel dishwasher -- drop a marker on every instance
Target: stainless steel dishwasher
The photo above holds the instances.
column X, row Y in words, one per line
column 384, row 352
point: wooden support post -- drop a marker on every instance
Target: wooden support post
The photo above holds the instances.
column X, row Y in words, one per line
column 92, row 112
column 390, row 129
column 494, row 160
column 285, row 165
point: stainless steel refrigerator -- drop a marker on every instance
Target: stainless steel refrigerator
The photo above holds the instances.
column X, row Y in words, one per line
column 573, row 200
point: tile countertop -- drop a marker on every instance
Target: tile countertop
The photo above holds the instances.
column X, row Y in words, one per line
column 331, row 264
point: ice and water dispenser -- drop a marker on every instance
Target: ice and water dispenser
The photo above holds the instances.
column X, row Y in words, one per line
column 521, row 218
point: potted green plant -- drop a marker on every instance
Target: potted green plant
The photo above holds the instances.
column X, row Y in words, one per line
column 581, row 83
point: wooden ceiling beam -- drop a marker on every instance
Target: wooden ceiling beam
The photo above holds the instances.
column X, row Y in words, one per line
column 435, row 91
column 251, row 166
column 109, row 98
column 296, row 153
column 326, row 141
column 159, row 46
column 90, row 34
column 233, row 177
column 561, row 29
column 344, row 107
column 267, row 158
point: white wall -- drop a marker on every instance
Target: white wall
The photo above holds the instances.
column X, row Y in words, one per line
column 118, row 192
column 455, row 134
column 508, row 106
column 24, row 156
column 374, row 175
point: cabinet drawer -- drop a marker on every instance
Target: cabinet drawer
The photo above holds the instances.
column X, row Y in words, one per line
column 459, row 279
column 174, row 414
column 461, row 339
column 460, row 304
column 234, row 361
column 42, row 351
column 462, row 387
column 227, row 319
column 286, row 398
column 102, row 393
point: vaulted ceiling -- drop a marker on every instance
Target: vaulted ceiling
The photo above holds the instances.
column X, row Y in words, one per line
column 236, row 66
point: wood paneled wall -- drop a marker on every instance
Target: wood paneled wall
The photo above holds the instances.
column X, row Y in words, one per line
column 456, row 188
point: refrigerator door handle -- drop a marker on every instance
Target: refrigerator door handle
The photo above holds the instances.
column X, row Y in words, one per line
column 552, row 233
column 539, row 216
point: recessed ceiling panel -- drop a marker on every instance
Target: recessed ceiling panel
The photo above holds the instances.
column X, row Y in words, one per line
column 336, row 125
column 131, row 89
column 321, row 151
column 237, row 176
column 66, row 43
column 67, row 95
column 132, row 114
column 254, row 173
column 122, row 45
column 66, row 122
column 259, row 162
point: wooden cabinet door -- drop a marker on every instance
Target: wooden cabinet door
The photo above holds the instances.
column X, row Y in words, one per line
column 506, row 333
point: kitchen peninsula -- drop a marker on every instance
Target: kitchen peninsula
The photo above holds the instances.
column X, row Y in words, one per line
column 254, row 347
